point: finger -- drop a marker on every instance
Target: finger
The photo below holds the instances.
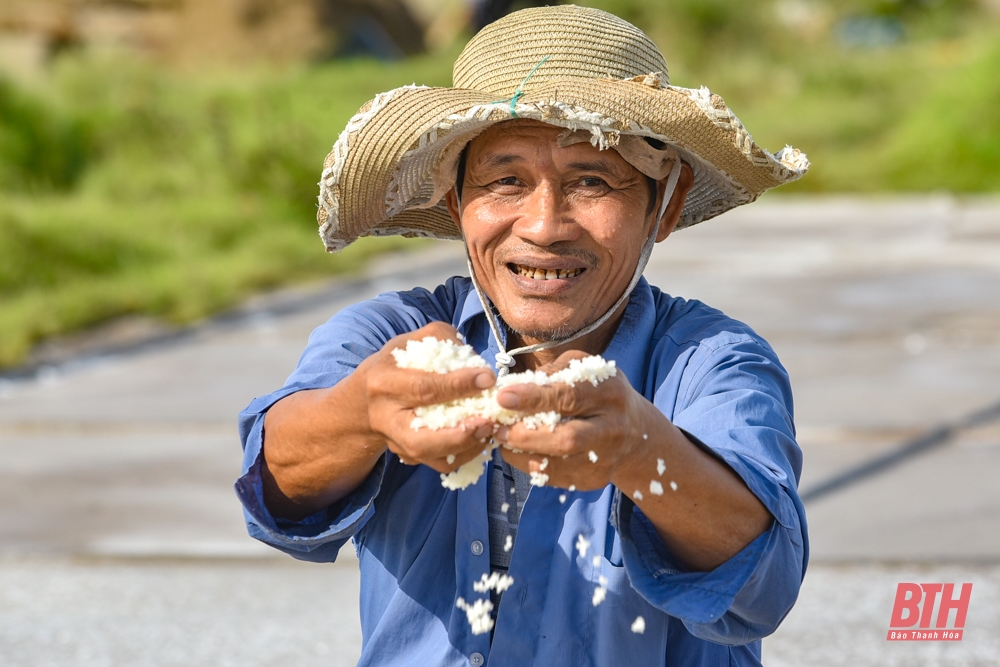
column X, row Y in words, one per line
column 412, row 388
column 569, row 438
column 562, row 398
column 425, row 445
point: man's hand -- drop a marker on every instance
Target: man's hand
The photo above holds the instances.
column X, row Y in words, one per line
column 393, row 393
column 604, row 427
column 320, row 444
column 702, row 510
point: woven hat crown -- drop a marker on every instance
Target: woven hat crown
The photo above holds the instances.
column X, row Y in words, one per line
column 575, row 43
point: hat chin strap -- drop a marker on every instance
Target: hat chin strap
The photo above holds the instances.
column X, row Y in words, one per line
column 505, row 359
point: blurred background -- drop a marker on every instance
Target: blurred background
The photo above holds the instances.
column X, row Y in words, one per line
column 160, row 267
column 160, row 157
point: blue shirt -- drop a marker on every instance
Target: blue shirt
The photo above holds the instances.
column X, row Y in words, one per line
column 421, row 546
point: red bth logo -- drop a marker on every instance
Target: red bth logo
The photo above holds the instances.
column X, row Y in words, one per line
column 914, row 608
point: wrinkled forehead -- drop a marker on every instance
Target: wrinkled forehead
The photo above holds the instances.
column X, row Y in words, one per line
column 505, row 140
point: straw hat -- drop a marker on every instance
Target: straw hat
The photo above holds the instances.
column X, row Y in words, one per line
column 583, row 69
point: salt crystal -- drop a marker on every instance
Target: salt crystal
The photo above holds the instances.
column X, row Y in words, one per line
column 592, row 455
column 562, row 498
column 582, row 544
column 478, row 615
column 438, row 356
column 596, row 560
column 645, row 436
column 637, row 495
column 504, row 507
column 550, row 419
column 544, row 464
column 495, row 581
column 513, row 490
column 673, row 485
column 639, row 625
column 572, row 487
column 661, row 467
column 656, row 488
column 508, row 543
column 450, row 459
column 538, row 478
column 601, row 591
column 467, row 473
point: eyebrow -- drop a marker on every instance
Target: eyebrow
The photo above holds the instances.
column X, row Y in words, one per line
column 600, row 166
column 499, row 159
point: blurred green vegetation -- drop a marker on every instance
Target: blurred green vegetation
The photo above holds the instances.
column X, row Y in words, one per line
column 126, row 188
column 129, row 189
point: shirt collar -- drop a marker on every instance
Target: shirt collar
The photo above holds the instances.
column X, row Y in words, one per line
column 629, row 347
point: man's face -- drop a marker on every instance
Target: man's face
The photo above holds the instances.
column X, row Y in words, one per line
column 554, row 233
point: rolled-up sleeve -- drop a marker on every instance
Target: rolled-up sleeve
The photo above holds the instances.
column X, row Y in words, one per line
column 334, row 350
column 734, row 400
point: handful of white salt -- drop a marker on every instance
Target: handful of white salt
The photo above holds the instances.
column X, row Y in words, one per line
column 445, row 356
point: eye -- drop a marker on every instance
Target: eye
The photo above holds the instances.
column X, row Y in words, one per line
column 507, row 180
column 593, row 182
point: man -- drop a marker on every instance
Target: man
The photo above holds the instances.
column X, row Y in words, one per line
column 670, row 531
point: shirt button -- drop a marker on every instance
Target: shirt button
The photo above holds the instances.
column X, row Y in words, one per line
column 477, row 658
column 477, row 550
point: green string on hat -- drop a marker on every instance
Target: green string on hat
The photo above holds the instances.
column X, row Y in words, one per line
column 520, row 89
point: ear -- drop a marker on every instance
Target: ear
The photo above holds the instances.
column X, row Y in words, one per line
column 451, row 199
column 673, row 213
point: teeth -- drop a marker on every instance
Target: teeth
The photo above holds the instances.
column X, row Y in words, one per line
column 546, row 274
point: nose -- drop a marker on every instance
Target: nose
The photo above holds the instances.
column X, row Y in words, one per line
column 546, row 218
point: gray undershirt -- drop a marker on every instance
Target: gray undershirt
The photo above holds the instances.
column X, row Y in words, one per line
column 507, row 485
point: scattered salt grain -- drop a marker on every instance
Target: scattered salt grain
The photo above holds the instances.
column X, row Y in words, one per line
column 508, row 543
column 645, row 436
column 673, row 485
column 562, row 498
column 544, row 464
column 513, row 490
column 504, row 507
column 572, row 487
column 639, row 625
column 450, row 459
column 601, row 591
column 596, row 560
column 661, row 467
column 494, row 582
column 656, row 488
column 538, row 478
column 478, row 615
column 637, row 495
column 582, row 544
column 592, row 455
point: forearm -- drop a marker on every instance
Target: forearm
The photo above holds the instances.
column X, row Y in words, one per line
column 710, row 516
column 318, row 447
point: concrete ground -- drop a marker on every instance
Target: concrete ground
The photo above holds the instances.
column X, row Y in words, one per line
column 122, row 543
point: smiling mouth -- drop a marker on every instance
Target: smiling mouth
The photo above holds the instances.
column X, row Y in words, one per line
column 544, row 274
